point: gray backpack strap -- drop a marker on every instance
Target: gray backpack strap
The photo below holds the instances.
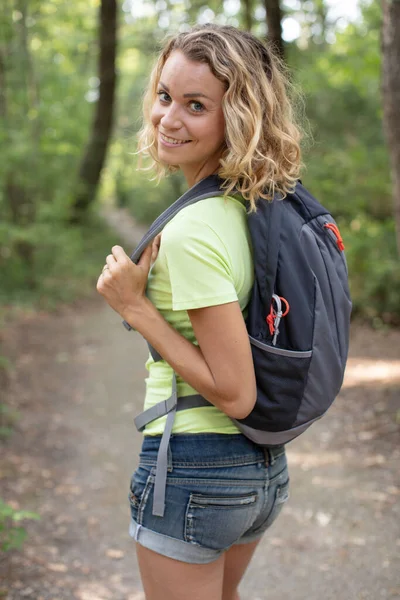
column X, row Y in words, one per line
column 154, row 354
column 159, row 410
column 165, row 407
column 206, row 188
column 160, row 482
column 155, row 412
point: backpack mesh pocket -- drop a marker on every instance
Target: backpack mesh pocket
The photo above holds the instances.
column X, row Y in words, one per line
column 281, row 379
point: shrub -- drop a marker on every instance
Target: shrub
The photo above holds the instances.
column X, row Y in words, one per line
column 12, row 535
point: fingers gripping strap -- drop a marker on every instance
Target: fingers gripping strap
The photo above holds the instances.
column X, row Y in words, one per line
column 206, row 188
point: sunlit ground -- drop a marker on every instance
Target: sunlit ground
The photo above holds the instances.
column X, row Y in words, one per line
column 98, row 591
column 361, row 371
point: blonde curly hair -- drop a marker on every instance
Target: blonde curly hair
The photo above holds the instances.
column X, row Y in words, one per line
column 262, row 157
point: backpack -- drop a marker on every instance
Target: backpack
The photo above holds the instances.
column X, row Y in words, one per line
column 298, row 319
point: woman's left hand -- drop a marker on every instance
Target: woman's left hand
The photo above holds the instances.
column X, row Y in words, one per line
column 122, row 283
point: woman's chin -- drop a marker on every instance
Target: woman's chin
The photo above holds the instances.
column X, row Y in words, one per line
column 166, row 160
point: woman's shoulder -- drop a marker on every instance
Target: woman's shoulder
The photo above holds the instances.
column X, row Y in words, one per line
column 217, row 206
column 217, row 213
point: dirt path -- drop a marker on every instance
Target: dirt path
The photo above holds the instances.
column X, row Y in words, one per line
column 79, row 381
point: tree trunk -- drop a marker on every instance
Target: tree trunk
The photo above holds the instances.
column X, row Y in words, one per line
column 274, row 25
column 322, row 14
column 20, row 198
column 96, row 150
column 248, row 14
column 3, row 97
column 391, row 96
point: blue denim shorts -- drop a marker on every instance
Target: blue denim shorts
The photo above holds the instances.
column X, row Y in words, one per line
column 221, row 490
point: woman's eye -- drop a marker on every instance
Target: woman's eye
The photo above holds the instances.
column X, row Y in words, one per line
column 164, row 97
column 197, row 106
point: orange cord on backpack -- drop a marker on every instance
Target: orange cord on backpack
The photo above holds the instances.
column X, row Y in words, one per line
column 270, row 320
column 336, row 231
column 275, row 316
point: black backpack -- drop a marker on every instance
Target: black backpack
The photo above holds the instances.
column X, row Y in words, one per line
column 298, row 318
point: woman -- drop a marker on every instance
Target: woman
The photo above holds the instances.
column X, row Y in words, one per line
column 216, row 103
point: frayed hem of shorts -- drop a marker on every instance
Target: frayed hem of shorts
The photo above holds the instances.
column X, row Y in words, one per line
column 172, row 547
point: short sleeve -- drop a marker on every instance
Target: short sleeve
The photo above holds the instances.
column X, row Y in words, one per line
column 198, row 265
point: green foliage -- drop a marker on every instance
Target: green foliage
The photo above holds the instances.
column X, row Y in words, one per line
column 8, row 418
column 140, row 192
column 4, row 363
column 348, row 166
column 12, row 535
column 66, row 262
column 374, row 269
column 48, row 70
column 48, row 81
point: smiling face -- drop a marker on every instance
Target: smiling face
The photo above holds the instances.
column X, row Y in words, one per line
column 188, row 118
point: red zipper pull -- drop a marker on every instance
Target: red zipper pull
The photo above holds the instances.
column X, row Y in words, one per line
column 274, row 318
column 335, row 229
column 270, row 320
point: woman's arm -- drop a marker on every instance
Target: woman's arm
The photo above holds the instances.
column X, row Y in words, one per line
column 221, row 368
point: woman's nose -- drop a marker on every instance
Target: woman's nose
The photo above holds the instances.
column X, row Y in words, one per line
column 171, row 118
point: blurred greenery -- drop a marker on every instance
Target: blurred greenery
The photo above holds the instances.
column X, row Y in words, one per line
column 66, row 262
column 8, row 419
column 49, row 85
column 12, row 535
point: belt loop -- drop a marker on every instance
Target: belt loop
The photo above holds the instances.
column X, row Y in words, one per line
column 271, row 456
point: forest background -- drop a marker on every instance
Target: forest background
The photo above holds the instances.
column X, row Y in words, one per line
column 72, row 77
column 60, row 95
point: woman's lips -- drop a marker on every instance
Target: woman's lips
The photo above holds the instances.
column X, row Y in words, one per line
column 172, row 142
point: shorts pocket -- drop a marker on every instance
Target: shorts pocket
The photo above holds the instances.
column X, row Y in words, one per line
column 141, row 483
column 218, row 521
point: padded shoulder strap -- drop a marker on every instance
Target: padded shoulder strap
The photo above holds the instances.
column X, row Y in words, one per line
column 206, row 188
column 306, row 204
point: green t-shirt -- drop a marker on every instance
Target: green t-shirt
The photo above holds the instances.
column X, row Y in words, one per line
column 205, row 259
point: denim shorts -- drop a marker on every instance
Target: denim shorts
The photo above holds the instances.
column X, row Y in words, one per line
column 221, row 490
